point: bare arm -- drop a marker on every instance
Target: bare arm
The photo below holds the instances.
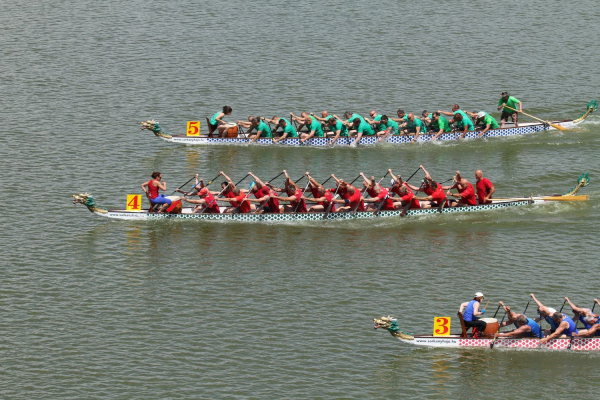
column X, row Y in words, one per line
column 563, row 325
column 144, row 185
column 519, row 331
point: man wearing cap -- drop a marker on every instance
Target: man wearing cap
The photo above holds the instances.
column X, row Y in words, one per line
column 487, row 121
column 206, row 203
column 508, row 100
column 470, row 311
column 546, row 314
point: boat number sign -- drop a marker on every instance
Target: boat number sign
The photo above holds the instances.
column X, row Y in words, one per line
column 193, row 128
column 441, row 326
column 134, row 202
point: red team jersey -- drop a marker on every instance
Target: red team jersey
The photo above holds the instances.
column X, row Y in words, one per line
column 483, row 189
column 213, row 207
column 467, row 196
column 409, row 196
column 245, row 207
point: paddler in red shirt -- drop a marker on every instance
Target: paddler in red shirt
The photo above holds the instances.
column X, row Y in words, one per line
column 206, row 204
column 485, row 189
column 264, row 194
column 377, row 194
column 321, row 196
column 466, row 192
column 406, row 200
column 436, row 197
column 238, row 202
column 228, row 194
column 294, row 196
column 352, row 197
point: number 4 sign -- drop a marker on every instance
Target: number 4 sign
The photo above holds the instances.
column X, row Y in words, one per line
column 134, row 202
column 441, row 326
column 193, row 128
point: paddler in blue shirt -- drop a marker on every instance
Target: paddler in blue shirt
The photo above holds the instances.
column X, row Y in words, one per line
column 592, row 324
column 545, row 313
column 525, row 326
column 565, row 326
column 582, row 314
column 470, row 311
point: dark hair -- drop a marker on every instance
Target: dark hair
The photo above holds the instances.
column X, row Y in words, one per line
column 255, row 120
column 435, row 114
column 332, row 121
column 155, row 174
column 281, row 121
column 424, row 113
column 225, row 183
column 400, row 111
column 227, row 109
column 356, row 121
column 556, row 316
column 236, row 191
column 347, row 114
column 384, row 118
column 458, row 116
column 433, row 184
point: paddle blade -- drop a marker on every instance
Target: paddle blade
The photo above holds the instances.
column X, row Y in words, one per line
column 560, row 128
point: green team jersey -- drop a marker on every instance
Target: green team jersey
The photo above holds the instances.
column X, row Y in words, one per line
column 511, row 102
column 365, row 128
column 442, row 123
column 339, row 126
column 465, row 122
column 378, row 125
column 316, row 126
column 417, row 123
column 354, row 116
column 289, row 129
column 464, row 114
column 489, row 120
column 265, row 131
column 393, row 125
column 213, row 120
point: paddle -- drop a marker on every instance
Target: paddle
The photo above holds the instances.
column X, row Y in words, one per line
column 560, row 128
column 182, row 185
column 365, row 189
column 594, row 306
column 497, row 309
column 220, row 193
column 236, row 210
column 266, row 202
column 380, row 206
column 334, row 195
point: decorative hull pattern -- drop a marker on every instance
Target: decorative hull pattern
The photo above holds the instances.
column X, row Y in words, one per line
column 577, row 344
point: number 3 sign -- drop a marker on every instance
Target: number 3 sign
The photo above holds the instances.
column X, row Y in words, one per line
column 441, row 326
column 193, row 128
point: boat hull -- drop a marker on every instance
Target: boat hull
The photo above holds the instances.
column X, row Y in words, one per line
column 524, row 129
column 455, row 341
column 334, row 216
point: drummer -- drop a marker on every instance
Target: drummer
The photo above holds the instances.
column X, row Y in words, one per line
column 471, row 311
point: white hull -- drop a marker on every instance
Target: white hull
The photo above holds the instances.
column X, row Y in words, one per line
column 455, row 341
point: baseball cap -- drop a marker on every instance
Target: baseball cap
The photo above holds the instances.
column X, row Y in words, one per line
column 481, row 114
column 203, row 192
column 479, row 294
column 504, row 93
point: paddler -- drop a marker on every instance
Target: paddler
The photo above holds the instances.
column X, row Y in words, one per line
column 228, row 193
column 247, row 124
column 288, row 130
column 470, row 311
column 592, row 325
column 546, row 314
column 239, row 202
column 377, row 194
column 151, row 189
column 401, row 188
column 323, row 119
column 485, row 188
column 375, row 120
column 526, row 327
column 466, row 192
column 216, row 121
column 414, row 126
column 349, row 118
column 388, row 127
column 351, row 197
column 508, row 100
column 486, row 121
column 402, row 117
column 584, row 315
column 361, row 128
column 463, row 125
column 314, row 129
column 206, row 204
column 300, row 120
column 426, row 117
column 338, row 128
column 439, row 124
column 565, row 326
column 262, row 130
column 436, row 197
column 264, row 194
column 294, row 196
column 456, row 110
column 321, row 196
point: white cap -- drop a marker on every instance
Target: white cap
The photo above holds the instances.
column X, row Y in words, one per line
column 481, row 114
column 552, row 310
column 478, row 294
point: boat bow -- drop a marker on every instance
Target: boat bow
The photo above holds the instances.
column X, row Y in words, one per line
column 391, row 324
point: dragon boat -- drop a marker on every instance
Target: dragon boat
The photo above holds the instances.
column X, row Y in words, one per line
column 466, row 340
column 186, row 212
column 236, row 137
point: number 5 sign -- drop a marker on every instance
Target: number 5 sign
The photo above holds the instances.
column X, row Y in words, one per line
column 441, row 326
column 193, row 128
column 134, row 202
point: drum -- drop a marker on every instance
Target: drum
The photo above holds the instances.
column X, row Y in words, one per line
column 231, row 132
column 492, row 326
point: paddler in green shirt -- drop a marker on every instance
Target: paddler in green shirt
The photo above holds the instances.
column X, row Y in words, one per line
column 402, row 117
column 361, row 128
column 456, row 110
column 338, row 128
column 440, row 125
column 508, row 100
column 349, row 118
column 389, row 128
column 414, row 125
column 323, row 119
column 376, row 120
column 314, row 128
column 487, row 121
column 262, row 129
column 288, row 130
column 463, row 124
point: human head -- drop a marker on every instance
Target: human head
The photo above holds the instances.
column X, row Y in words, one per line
column 481, row 114
column 435, row 116
column 227, row 110
column 411, row 117
column 304, row 114
column 356, row 122
column 290, row 189
column 250, row 118
column 455, row 107
column 479, row 296
column 347, row 114
column 307, row 120
column 281, row 122
column 332, row 121
column 478, row 175
column 156, row 175
column 321, row 190
column 203, row 192
column 400, row 113
column 236, row 191
column 351, row 190
column 458, row 117
column 324, row 114
column 505, row 95
column 590, row 319
column 373, row 113
column 522, row 320
column 255, row 121
column 557, row 317
column 384, row 119
column 425, row 113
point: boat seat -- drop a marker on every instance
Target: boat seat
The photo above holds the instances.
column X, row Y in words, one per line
column 210, row 128
column 463, row 333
